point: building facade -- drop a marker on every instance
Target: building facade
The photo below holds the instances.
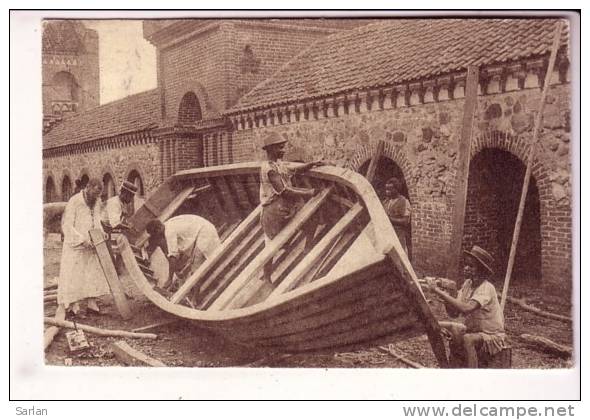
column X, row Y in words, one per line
column 69, row 70
column 337, row 88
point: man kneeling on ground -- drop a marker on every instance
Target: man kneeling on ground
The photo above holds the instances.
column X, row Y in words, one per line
column 187, row 240
column 478, row 302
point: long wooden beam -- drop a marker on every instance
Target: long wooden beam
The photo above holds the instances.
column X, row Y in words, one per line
column 318, row 251
column 220, row 253
column 529, row 165
column 106, row 262
column 462, row 176
column 270, row 250
column 372, row 170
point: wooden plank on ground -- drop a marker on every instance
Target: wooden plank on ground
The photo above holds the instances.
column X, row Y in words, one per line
column 97, row 331
column 270, row 250
column 317, row 251
column 218, row 255
column 51, row 332
column 106, row 262
column 464, row 155
column 133, row 357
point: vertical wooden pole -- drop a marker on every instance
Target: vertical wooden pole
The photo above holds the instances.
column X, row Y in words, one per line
column 527, row 175
column 375, row 161
column 462, row 176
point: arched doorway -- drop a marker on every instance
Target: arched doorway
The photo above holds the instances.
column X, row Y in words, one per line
column 493, row 196
column 50, row 193
column 386, row 169
column 66, row 188
column 189, row 111
column 108, row 190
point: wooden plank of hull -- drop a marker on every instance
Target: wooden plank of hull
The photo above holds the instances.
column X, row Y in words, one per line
column 322, row 267
column 236, row 260
column 278, row 242
column 228, row 198
column 338, row 310
column 252, row 188
column 255, row 288
column 239, row 193
column 218, row 255
column 356, row 328
column 316, row 302
column 316, row 253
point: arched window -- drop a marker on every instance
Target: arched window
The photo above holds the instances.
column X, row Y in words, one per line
column 66, row 87
column 109, row 187
column 50, row 194
column 135, row 178
column 66, row 188
column 189, row 111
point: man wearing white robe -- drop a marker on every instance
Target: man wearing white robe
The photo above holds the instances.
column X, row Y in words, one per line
column 80, row 276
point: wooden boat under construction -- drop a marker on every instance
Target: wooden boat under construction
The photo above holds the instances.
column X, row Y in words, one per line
column 340, row 277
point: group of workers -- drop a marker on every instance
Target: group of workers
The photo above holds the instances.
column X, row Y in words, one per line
column 188, row 240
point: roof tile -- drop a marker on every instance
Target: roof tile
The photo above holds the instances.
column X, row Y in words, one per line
column 133, row 113
column 399, row 50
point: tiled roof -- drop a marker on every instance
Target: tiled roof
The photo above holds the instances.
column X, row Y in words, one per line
column 130, row 114
column 399, row 50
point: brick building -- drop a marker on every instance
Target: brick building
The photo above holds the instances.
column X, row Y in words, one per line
column 336, row 88
column 70, row 70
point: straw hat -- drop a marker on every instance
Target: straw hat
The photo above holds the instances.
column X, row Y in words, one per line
column 129, row 187
column 483, row 257
column 273, row 138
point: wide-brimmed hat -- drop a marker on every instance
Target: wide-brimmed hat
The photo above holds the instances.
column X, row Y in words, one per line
column 483, row 257
column 129, row 187
column 272, row 139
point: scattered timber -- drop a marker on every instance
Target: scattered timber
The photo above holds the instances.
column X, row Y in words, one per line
column 522, row 303
column 133, row 357
column 96, row 330
column 51, row 332
column 391, row 350
column 546, row 345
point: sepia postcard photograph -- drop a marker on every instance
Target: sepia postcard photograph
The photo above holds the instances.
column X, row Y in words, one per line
column 348, row 192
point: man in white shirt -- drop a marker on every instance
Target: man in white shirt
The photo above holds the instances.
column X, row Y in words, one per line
column 120, row 207
column 187, row 240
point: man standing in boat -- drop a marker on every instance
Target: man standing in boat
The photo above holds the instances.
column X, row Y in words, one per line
column 120, row 207
column 187, row 240
column 81, row 278
column 477, row 301
column 399, row 210
column 278, row 196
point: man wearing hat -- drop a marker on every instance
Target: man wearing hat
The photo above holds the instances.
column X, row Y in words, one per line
column 278, row 196
column 477, row 301
column 119, row 208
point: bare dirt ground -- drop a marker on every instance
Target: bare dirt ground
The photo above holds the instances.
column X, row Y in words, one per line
column 182, row 344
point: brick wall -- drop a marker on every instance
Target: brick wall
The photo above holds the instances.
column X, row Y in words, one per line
column 219, row 69
column 422, row 140
column 145, row 159
column 255, row 52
